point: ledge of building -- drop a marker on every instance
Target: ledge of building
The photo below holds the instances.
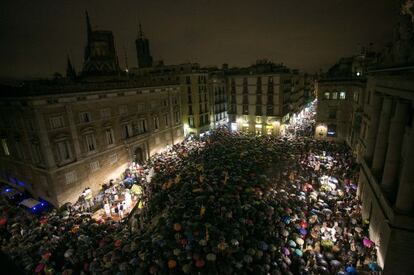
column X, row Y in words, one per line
column 397, row 220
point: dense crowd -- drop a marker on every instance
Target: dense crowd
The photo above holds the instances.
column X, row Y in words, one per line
column 230, row 203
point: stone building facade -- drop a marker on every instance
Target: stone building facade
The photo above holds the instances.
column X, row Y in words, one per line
column 57, row 143
column 218, row 94
column 386, row 184
column 196, row 102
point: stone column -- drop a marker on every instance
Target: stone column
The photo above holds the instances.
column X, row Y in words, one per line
column 405, row 195
column 382, row 138
column 395, row 139
column 373, row 127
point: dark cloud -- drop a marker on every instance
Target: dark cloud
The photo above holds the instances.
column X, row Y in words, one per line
column 36, row 36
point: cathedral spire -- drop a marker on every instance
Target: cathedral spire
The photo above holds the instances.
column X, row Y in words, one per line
column 70, row 71
column 88, row 25
column 140, row 34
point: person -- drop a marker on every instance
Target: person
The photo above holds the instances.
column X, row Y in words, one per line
column 121, row 210
column 107, row 209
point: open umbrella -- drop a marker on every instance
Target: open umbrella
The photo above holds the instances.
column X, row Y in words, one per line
column 367, row 242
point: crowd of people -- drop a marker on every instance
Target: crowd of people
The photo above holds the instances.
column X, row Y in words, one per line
column 229, row 203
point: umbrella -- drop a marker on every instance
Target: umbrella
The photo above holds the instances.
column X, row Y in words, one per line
column 292, row 243
column 299, row 252
column 374, row 266
column 335, row 263
column 358, row 229
column 68, row 253
column 300, row 241
column 351, row 270
column 367, row 242
column 39, row 268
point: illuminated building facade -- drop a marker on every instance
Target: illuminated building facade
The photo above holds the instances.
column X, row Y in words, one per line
column 57, row 142
column 196, row 102
column 218, row 94
column 340, row 96
column 261, row 98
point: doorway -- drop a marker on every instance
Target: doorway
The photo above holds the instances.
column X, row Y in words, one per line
column 139, row 155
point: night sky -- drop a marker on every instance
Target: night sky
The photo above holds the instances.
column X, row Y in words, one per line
column 36, row 36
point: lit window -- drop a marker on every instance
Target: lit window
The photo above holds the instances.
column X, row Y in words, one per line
column 334, row 95
column 56, row 122
column 326, row 95
column 5, row 147
column 342, row 95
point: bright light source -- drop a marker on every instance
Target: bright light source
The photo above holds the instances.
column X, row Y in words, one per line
column 234, row 126
column 358, row 73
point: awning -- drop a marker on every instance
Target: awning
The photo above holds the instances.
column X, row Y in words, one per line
column 29, row 203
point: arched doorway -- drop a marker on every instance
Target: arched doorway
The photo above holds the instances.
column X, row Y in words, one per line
column 139, row 155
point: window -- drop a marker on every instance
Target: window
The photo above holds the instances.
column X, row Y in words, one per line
column 177, row 117
column 123, row 109
column 143, row 125
column 106, row 113
column 190, row 109
column 71, row 177
column 90, row 142
column 356, row 96
column 127, row 130
column 166, row 120
column 258, row 119
column 332, row 113
column 63, row 150
column 245, row 109
column 56, row 122
column 269, row 110
column 331, row 130
column 37, row 153
column 109, row 133
column 334, row 95
column 5, row 147
column 259, row 110
column 342, row 95
column 84, row 117
column 141, row 108
column 113, row 159
column 19, row 149
column 95, row 166
column 326, row 95
column 191, row 122
column 156, row 122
